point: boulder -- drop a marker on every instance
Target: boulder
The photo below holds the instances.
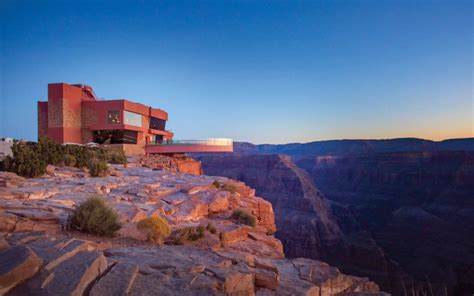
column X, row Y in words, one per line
column 234, row 234
column 266, row 279
column 219, row 202
column 239, row 284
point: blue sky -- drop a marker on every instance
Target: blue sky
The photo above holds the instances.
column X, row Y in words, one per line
column 263, row 71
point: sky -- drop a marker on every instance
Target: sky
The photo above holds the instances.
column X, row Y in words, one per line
column 256, row 71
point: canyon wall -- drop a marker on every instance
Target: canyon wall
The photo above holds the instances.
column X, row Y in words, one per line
column 418, row 206
column 306, row 223
column 403, row 208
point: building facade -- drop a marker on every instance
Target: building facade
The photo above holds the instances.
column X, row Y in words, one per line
column 73, row 114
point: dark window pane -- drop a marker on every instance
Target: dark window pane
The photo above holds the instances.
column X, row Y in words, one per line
column 158, row 124
column 115, row 137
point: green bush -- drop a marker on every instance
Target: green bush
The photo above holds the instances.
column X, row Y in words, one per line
column 82, row 154
column 95, row 217
column 155, row 228
column 69, row 160
column 244, row 217
column 26, row 161
column 193, row 233
column 51, row 152
column 30, row 159
column 98, row 168
column 216, row 184
column 116, row 156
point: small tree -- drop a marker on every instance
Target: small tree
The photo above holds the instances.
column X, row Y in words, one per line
column 95, row 217
column 155, row 228
column 51, row 152
column 26, row 160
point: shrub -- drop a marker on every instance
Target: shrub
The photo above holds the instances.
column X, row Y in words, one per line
column 95, row 217
column 216, row 184
column 51, row 152
column 26, row 160
column 244, row 217
column 116, row 156
column 191, row 234
column 81, row 154
column 69, row 160
column 98, row 168
column 155, row 228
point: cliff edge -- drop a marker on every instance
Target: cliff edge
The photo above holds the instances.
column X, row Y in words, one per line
column 38, row 256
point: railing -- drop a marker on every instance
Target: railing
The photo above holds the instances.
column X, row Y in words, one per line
column 210, row 142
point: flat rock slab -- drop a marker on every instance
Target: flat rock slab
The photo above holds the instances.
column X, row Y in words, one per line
column 74, row 275
column 118, row 281
column 17, row 264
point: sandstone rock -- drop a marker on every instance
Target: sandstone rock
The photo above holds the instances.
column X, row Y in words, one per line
column 237, row 284
column 74, row 275
column 50, row 169
column 266, row 279
column 3, row 244
column 268, row 240
column 198, row 268
column 10, row 180
column 219, row 203
column 194, row 190
column 118, row 281
column 17, row 264
column 234, row 234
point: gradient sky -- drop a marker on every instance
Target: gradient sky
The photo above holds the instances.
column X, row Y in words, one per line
column 264, row 72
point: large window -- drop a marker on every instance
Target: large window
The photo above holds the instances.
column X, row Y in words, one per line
column 156, row 139
column 131, row 118
column 113, row 117
column 115, row 137
column 158, row 124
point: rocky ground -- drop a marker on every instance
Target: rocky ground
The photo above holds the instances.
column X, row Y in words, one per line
column 38, row 256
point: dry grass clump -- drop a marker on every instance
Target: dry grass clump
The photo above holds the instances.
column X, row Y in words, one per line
column 156, row 228
column 95, row 217
column 244, row 217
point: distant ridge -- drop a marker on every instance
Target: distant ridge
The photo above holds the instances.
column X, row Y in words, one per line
column 362, row 146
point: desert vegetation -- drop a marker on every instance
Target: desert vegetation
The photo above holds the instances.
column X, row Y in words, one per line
column 98, row 168
column 95, row 217
column 194, row 233
column 244, row 217
column 155, row 228
column 30, row 159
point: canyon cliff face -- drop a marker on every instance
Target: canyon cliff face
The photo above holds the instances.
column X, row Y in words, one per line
column 306, row 223
column 418, row 206
column 304, row 218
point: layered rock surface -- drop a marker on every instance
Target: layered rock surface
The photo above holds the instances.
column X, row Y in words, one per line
column 306, row 222
column 418, row 206
column 38, row 257
column 404, row 206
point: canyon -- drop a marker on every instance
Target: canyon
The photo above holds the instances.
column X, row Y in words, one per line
column 40, row 255
column 398, row 211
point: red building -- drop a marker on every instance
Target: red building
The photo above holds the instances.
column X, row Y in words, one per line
column 73, row 114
